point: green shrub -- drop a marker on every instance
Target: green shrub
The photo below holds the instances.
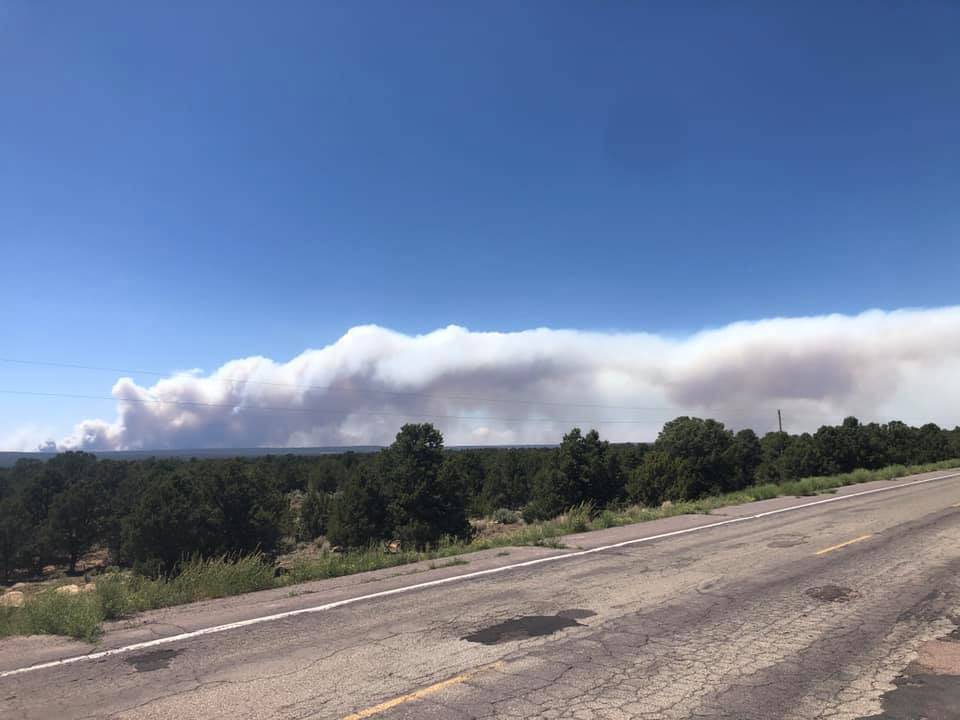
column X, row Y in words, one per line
column 765, row 491
column 505, row 516
column 202, row 579
column 604, row 520
column 52, row 613
column 578, row 517
column 116, row 599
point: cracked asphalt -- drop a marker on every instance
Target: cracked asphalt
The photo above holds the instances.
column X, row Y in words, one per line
column 741, row 621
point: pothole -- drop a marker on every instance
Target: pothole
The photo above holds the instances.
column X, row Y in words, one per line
column 787, row 541
column 154, row 660
column 527, row 626
column 832, row 593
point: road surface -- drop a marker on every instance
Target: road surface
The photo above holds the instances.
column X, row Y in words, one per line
column 836, row 606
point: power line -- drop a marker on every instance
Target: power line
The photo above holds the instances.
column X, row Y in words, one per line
column 313, row 411
column 339, row 389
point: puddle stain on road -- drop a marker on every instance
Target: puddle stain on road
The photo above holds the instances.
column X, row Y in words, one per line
column 154, row 660
column 528, row 626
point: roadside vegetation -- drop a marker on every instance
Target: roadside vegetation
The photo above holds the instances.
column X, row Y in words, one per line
column 178, row 531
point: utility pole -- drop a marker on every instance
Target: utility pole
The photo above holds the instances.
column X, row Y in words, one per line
column 780, row 455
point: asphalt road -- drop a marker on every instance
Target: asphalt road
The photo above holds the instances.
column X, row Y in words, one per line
column 842, row 609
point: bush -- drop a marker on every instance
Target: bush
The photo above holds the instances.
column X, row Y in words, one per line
column 604, row 520
column 202, row 579
column 358, row 513
column 204, row 510
column 505, row 516
column 578, row 517
column 115, row 596
column 313, row 515
column 660, row 477
column 52, row 613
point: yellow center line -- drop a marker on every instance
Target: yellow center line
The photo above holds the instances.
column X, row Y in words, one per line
column 422, row 693
column 955, row 505
column 843, row 544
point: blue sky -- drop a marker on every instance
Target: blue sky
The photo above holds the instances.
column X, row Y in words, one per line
column 183, row 185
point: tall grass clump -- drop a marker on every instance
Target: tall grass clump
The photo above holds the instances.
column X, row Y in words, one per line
column 52, row 613
column 330, row 565
column 121, row 594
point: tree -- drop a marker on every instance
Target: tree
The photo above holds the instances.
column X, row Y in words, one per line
column 248, row 505
column 358, row 511
column 744, row 457
column 423, row 504
column 772, row 447
column 313, row 515
column 14, row 528
column 802, row 458
column 582, row 470
column 551, row 494
column 171, row 522
column 464, row 471
column 898, row 439
column 506, row 484
column 327, row 475
column 75, row 519
column 660, row 476
column 704, row 446
column 931, row 444
column 836, row 447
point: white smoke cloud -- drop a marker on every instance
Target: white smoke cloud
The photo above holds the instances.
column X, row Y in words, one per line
column 27, row 438
column 531, row 386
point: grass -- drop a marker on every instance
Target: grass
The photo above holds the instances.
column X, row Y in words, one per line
column 121, row 594
column 52, row 613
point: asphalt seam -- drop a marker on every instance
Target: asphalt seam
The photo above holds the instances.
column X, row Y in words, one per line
column 215, row 629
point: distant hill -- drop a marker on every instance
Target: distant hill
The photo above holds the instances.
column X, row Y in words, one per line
column 8, row 459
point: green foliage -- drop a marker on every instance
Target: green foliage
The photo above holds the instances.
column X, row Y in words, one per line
column 661, row 476
column 171, row 522
column 154, row 513
column 505, row 516
column 705, row 448
column 74, row 519
column 358, row 512
column 578, row 518
column 204, row 509
column 52, row 613
column 119, row 594
column 122, row 594
column 313, row 515
column 14, row 541
column 424, row 504
column 582, row 470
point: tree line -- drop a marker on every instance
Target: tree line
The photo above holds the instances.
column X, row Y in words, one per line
column 150, row 514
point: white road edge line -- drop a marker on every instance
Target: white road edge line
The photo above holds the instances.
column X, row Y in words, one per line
column 443, row 581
